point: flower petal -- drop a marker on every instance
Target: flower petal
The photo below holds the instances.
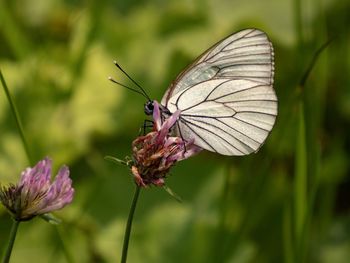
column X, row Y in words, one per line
column 35, row 194
column 157, row 116
column 60, row 192
column 35, row 182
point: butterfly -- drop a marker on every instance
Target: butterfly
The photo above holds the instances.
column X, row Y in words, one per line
column 226, row 98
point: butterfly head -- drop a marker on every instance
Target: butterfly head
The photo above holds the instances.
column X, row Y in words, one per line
column 149, row 107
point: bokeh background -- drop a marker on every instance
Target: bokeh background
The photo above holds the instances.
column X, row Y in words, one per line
column 290, row 202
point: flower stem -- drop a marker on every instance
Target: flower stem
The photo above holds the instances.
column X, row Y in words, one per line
column 13, row 233
column 129, row 223
column 17, row 118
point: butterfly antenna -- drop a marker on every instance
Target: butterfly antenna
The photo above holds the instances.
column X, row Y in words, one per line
column 121, row 84
column 133, row 81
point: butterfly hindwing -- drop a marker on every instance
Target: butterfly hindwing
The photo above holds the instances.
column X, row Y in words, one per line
column 230, row 117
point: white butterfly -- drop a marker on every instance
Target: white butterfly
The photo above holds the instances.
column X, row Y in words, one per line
column 226, row 98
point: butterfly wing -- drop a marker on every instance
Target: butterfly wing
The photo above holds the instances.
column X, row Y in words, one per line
column 246, row 54
column 226, row 97
column 227, row 116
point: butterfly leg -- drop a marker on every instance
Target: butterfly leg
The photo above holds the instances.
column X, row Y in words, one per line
column 146, row 124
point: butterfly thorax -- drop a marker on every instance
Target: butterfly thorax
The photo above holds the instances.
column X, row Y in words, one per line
column 149, row 107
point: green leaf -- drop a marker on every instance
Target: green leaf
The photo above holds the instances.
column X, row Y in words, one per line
column 50, row 218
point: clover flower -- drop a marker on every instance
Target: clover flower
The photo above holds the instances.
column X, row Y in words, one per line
column 156, row 152
column 35, row 194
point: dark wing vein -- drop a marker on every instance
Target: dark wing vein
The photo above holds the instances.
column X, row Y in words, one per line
column 194, row 132
column 238, row 56
column 246, row 64
column 229, row 43
column 226, row 132
column 243, row 100
column 248, row 123
column 213, row 133
column 238, row 91
column 259, row 112
column 191, row 87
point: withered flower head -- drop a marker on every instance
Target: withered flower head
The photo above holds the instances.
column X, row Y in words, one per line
column 156, row 152
column 34, row 194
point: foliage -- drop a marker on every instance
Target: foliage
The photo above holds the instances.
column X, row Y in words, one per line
column 289, row 202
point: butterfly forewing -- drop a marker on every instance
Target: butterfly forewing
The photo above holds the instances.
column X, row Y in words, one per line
column 226, row 97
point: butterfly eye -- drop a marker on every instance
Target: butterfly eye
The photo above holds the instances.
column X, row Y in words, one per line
column 149, row 108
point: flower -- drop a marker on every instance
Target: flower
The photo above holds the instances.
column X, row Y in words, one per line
column 156, row 152
column 35, row 194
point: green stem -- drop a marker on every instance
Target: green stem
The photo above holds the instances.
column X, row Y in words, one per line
column 17, row 118
column 129, row 224
column 13, row 233
column 300, row 185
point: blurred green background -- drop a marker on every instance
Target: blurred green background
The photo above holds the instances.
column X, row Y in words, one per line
column 288, row 203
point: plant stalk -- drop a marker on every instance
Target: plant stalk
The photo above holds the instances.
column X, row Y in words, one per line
column 129, row 224
column 17, row 118
column 13, row 234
